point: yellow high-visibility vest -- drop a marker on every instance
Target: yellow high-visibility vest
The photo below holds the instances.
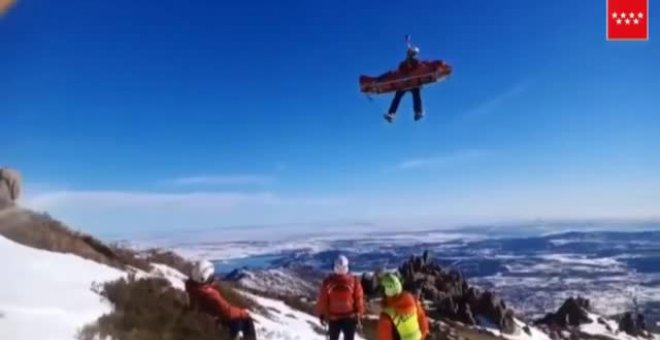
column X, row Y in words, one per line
column 406, row 324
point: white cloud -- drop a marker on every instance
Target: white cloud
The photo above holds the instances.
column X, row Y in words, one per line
column 458, row 157
column 489, row 106
column 108, row 212
column 222, row 180
column 510, row 198
column 57, row 199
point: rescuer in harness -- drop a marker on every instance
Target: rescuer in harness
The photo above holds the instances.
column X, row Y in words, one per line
column 402, row 316
column 406, row 66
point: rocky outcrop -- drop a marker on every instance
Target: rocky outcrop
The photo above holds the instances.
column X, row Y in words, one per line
column 278, row 282
column 370, row 284
column 633, row 325
column 10, row 187
column 573, row 312
column 449, row 295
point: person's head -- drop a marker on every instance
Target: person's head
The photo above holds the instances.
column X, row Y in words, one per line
column 202, row 271
column 412, row 53
column 341, row 265
column 391, row 284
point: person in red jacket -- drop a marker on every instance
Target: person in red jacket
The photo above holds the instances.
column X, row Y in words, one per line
column 204, row 297
column 407, row 66
column 340, row 302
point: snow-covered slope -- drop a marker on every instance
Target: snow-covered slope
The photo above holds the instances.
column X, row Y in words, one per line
column 175, row 277
column 607, row 328
column 285, row 323
column 46, row 295
column 281, row 322
column 280, row 281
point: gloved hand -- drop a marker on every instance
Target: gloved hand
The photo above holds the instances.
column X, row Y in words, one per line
column 322, row 320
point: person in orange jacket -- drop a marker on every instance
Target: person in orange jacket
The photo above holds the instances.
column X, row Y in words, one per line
column 402, row 316
column 340, row 302
column 204, row 297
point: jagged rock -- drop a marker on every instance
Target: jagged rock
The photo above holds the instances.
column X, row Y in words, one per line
column 425, row 257
column 370, row 284
column 472, row 296
column 236, row 274
column 507, row 323
column 635, row 326
column 627, row 324
column 573, row 312
column 10, row 187
column 465, row 314
column 452, row 297
column 641, row 322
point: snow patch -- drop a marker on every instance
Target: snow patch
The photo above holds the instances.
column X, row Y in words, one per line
column 573, row 259
column 175, row 277
column 519, row 334
column 608, row 328
column 48, row 295
column 284, row 322
column 359, row 243
column 276, row 280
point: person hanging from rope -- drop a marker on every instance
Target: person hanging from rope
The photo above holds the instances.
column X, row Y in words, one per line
column 407, row 66
column 411, row 75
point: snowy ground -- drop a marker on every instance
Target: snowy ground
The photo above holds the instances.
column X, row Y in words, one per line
column 519, row 334
column 280, row 323
column 599, row 329
column 285, row 323
column 278, row 281
column 46, row 295
column 365, row 242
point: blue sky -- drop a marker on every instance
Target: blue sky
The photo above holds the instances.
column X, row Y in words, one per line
column 130, row 117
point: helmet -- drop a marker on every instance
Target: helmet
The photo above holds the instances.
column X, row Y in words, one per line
column 202, row 271
column 341, row 265
column 392, row 284
column 413, row 52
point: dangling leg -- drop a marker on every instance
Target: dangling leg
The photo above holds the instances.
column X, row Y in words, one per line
column 417, row 103
column 234, row 328
column 249, row 331
column 389, row 116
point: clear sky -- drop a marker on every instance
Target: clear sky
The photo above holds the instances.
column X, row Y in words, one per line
column 138, row 116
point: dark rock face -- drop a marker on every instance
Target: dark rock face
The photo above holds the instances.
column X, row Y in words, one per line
column 635, row 326
column 450, row 295
column 236, row 275
column 574, row 312
column 370, row 285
